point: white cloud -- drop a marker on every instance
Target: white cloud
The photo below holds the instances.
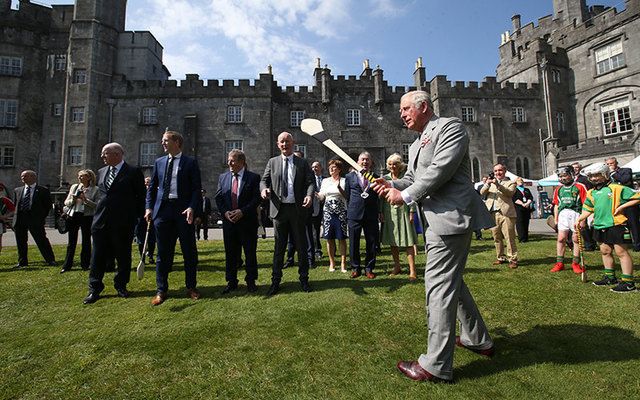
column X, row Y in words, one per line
column 387, row 8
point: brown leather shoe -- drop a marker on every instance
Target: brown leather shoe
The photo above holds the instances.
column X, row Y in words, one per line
column 370, row 275
column 498, row 262
column 193, row 293
column 413, row 370
column 158, row 299
column 486, row 352
column 513, row 264
column 355, row 274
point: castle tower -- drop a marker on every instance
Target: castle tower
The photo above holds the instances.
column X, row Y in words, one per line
column 92, row 57
column 571, row 10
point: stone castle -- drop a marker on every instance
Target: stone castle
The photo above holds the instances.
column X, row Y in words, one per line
column 72, row 79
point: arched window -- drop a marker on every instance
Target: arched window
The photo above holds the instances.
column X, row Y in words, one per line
column 518, row 166
column 525, row 170
column 475, row 169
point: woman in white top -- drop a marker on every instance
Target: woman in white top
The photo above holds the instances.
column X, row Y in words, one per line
column 80, row 205
column 334, row 219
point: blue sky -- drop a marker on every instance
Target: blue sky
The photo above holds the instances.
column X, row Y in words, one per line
column 237, row 39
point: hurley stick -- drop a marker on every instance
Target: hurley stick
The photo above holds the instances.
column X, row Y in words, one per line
column 140, row 269
column 583, row 275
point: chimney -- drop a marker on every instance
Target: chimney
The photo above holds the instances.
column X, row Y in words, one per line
column 419, row 74
column 378, row 87
column 515, row 20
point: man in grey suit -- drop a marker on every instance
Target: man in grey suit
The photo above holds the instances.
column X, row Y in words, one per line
column 438, row 180
column 288, row 183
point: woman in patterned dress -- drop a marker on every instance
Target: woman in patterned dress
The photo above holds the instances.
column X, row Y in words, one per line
column 334, row 219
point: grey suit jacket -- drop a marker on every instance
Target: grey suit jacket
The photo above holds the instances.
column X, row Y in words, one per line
column 303, row 183
column 438, row 176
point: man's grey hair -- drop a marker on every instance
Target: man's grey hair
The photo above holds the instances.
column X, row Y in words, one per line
column 238, row 154
column 418, row 97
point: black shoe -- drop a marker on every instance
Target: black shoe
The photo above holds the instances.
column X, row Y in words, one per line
column 312, row 265
column 306, row 287
column 20, row 266
column 624, row 287
column 91, row 298
column 606, row 281
column 85, row 268
column 52, row 263
column 63, row 270
column 124, row 293
column 251, row 287
column 273, row 289
column 230, row 288
column 286, row 265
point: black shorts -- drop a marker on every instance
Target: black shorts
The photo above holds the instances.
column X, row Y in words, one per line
column 612, row 235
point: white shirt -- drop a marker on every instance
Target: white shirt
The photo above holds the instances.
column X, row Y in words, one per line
column 240, row 175
column 173, row 192
column 290, row 199
column 117, row 167
column 33, row 190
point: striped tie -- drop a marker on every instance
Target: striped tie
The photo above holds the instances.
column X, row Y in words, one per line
column 25, row 202
column 111, row 175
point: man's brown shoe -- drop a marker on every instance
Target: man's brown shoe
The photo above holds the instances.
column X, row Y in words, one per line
column 413, row 370
column 370, row 275
column 158, row 299
column 193, row 293
column 513, row 264
column 498, row 262
column 486, row 352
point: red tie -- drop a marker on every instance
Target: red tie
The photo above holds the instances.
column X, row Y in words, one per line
column 234, row 192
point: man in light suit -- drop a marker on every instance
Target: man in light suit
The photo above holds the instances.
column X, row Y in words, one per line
column 363, row 214
column 173, row 199
column 288, row 183
column 499, row 192
column 237, row 198
column 120, row 203
column 33, row 203
column 438, row 179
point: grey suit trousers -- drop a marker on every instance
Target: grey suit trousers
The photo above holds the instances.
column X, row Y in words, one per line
column 448, row 297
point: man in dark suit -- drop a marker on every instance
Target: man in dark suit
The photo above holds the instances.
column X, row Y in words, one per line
column 33, row 203
column 172, row 201
column 237, row 198
column 624, row 176
column 363, row 214
column 288, row 183
column 120, row 204
column 202, row 220
column 316, row 213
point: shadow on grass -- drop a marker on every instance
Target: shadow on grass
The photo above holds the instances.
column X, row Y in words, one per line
column 559, row 344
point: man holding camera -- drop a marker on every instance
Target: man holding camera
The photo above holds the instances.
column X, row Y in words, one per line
column 499, row 190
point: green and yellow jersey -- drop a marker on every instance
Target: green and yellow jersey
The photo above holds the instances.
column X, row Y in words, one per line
column 603, row 202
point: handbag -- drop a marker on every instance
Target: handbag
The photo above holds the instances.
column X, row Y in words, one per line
column 62, row 222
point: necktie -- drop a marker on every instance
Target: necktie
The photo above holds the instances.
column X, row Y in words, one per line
column 25, row 202
column 285, row 178
column 234, row 192
column 318, row 183
column 166, row 184
column 111, row 175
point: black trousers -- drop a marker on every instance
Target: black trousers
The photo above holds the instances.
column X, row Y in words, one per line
column 523, row 217
column 632, row 214
column 289, row 222
column 23, row 227
column 370, row 229
column 79, row 223
column 239, row 237
column 111, row 242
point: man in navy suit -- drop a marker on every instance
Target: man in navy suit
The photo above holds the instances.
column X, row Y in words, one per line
column 121, row 202
column 172, row 201
column 362, row 216
column 624, row 176
column 288, row 183
column 237, row 198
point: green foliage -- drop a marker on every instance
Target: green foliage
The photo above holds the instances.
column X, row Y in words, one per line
column 555, row 337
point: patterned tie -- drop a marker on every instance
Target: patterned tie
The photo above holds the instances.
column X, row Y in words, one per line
column 166, row 184
column 234, row 192
column 111, row 175
column 285, row 178
column 318, row 183
column 25, row 202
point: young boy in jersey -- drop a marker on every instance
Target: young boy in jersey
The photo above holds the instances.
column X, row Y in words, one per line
column 606, row 201
column 567, row 201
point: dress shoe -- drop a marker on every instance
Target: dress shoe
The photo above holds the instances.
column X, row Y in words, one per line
column 194, row 294
column 498, row 262
column 355, row 274
column 413, row 370
column 230, row 288
column 486, row 352
column 52, row 263
column 20, row 266
column 85, row 268
column 63, row 270
column 370, row 275
column 513, row 264
column 273, row 289
column 124, row 293
column 306, row 287
column 91, row 298
column 158, row 299
column 251, row 287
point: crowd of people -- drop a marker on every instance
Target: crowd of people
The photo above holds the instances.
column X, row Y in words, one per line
column 431, row 195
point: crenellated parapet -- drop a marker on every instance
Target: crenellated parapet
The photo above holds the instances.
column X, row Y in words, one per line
column 440, row 87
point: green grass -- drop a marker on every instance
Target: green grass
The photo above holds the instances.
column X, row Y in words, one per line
column 556, row 337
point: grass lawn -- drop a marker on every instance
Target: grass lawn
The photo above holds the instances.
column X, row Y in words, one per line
column 555, row 337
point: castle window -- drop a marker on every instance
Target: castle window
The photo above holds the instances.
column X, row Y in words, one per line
column 353, row 117
column 56, row 109
column 525, row 168
column 518, row 166
column 405, row 152
column 79, row 76
column 149, row 115
column 468, row 114
column 234, row 114
column 296, row 118
column 560, row 124
column 518, row 114
column 609, row 57
column 60, row 62
column 616, row 117
column 7, row 156
column 8, row 113
column 147, row 154
column 10, row 66
column 302, row 148
column 77, row 114
column 75, row 155
column 555, row 75
column 475, row 169
column 232, row 144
